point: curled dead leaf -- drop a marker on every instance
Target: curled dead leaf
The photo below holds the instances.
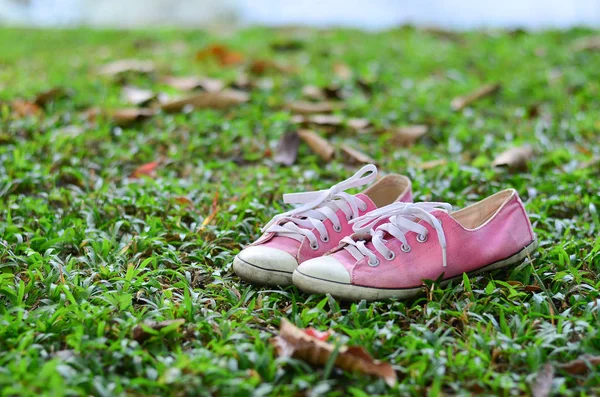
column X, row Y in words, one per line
column 581, row 365
column 214, row 100
column 287, row 149
column 407, row 136
column 461, row 102
column 356, row 156
column 223, row 54
column 43, row 98
column 295, row 342
column 432, row 164
column 192, row 83
column 262, row 66
column 515, row 159
column 137, row 96
column 148, row 169
column 358, row 125
column 318, row 144
column 304, row 107
column 144, row 331
column 22, row 108
column 127, row 65
column 128, row 116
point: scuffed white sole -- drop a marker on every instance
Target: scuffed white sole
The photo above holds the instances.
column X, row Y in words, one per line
column 355, row 292
column 258, row 275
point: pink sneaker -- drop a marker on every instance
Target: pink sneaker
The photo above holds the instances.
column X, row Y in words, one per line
column 316, row 226
column 421, row 241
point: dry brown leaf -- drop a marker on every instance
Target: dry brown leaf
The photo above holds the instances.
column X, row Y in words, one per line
column 287, row 149
column 295, row 342
column 581, row 365
column 357, row 156
column 543, row 381
column 304, row 107
column 262, row 66
column 325, row 120
column 137, row 96
column 141, row 334
column 515, row 159
column 342, row 71
column 193, row 83
column 459, row 103
column 407, row 136
column 184, row 201
column 127, row 65
column 318, row 144
column 587, row 44
column 23, row 108
column 148, row 169
column 432, row 164
column 214, row 100
column 223, row 54
column 359, row 125
column 50, row 95
column 128, row 116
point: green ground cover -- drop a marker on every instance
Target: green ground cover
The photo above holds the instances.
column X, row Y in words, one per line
column 88, row 253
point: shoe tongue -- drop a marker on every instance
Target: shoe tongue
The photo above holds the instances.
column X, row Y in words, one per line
column 370, row 204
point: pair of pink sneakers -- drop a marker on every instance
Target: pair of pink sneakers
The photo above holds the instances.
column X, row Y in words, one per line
column 378, row 244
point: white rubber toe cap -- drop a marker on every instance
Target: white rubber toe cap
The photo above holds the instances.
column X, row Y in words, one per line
column 325, row 268
column 268, row 258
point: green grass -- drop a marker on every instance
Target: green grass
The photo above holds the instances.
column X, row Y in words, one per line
column 87, row 253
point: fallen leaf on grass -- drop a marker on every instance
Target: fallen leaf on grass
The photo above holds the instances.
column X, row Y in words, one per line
column 128, row 116
column 193, row 83
column 459, row 103
column 580, row 365
column 358, row 125
column 587, row 44
column 262, row 66
column 407, row 136
column 295, row 342
column 137, row 96
column 50, row 95
column 543, row 381
column 515, row 159
column 183, row 201
column 144, row 331
column 287, row 149
column 148, row 169
column 357, row 156
column 318, row 144
column 127, row 65
column 342, row 71
column 319, row 119
column 24, row 108
column 223, row 54
column 304, row 107
column 215, row 100
column 319, row 94
column 432, row 164
column 214, row 209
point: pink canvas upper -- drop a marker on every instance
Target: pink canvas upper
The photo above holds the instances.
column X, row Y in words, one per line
column 504, row 233
column 302, row 250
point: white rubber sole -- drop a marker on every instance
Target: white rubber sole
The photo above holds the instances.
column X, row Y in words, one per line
column 355, row 292
column 258, row 275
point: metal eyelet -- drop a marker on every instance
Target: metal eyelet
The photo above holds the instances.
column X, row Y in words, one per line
column 363, row 208
column 325, row 239
column 337, row 228
column 349, row 218
column 421, row 238
column 314, row 247
column 374, row 264
column 391, row 257
column 405, row 248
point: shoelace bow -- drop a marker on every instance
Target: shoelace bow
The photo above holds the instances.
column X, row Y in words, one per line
column 315, row 207
column 403, row 218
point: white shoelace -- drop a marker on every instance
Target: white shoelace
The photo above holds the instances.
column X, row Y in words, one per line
column 321, row 205
column 403, row 218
